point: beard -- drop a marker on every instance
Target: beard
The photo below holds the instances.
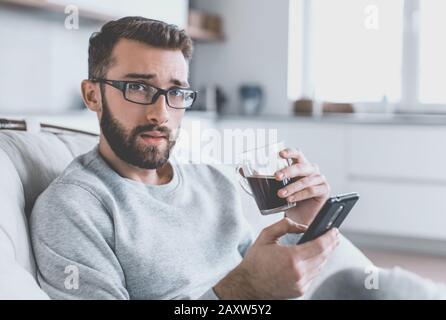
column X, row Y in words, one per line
column 127, row 146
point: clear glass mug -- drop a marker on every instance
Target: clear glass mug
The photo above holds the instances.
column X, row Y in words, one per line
column 256, row 176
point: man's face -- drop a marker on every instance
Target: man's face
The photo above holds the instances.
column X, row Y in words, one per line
column 140, row 135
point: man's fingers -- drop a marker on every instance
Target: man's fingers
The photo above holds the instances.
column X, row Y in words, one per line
column 305, row 282
column 297, row 170
column 274, row 232
column 309, row 269
column 294, row 154
column 319, row 246
column 301, row 184
column 315, row 264
column 309, row 192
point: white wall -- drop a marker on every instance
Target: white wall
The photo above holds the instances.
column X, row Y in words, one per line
column 41, row 62
column 255, row 51
column 38, row 53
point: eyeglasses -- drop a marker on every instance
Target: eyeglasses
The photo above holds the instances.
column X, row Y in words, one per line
column 146, row 94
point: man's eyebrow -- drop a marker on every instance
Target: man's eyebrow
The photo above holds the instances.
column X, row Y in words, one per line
column 148, row 76
column 179, row 83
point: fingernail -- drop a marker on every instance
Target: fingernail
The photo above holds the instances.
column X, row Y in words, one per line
column 284, row 192
column 280, row 175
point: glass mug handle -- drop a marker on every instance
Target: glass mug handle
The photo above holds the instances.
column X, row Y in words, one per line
column 242, row 180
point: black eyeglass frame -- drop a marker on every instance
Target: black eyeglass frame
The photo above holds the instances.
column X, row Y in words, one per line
column 122, row 85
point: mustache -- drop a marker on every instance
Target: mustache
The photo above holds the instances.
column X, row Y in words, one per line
column 151, row 127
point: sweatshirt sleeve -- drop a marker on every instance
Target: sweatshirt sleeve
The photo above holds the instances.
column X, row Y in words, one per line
column 73, row 241
column 209, row 295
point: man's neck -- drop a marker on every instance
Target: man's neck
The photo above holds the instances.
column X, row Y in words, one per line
column 147, row 176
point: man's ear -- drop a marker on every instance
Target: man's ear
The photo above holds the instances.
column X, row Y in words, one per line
column 91, row 94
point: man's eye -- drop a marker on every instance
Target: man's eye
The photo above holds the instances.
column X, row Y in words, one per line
column 176, row 92
column 137, row 87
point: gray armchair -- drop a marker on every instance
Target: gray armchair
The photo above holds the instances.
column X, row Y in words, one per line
column 31, row 156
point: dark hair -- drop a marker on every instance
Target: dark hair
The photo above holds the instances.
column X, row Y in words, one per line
column 152, row 32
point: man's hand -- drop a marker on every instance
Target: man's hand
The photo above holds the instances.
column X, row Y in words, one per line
column 270, row 270
column 310, row 188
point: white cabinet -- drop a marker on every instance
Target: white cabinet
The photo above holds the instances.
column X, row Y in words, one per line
column 399, row 209
column 400, row 173
column 406, row 152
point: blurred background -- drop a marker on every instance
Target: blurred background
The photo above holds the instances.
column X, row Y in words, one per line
column 358, row 85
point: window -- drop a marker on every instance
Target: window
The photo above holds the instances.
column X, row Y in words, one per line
column 432, row 51
column 368, row 51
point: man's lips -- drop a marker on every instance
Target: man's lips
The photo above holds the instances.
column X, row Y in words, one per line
column 153, row 134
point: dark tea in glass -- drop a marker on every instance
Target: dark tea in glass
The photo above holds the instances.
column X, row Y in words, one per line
column 256, row 173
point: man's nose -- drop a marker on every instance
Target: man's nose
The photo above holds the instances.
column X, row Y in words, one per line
column 158, row 112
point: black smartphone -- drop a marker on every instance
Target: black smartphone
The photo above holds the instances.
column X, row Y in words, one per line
column 332, row 214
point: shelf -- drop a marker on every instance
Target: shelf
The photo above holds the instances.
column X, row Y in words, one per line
column 58, row 8
column 104, row 11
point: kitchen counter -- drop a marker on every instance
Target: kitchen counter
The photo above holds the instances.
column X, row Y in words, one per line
column 350, row 118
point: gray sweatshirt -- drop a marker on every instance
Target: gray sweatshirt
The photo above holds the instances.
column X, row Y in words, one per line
column 98, row 235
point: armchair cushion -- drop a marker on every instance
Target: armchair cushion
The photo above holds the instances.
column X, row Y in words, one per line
column 29, row 161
